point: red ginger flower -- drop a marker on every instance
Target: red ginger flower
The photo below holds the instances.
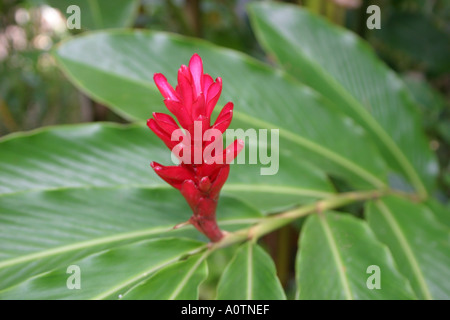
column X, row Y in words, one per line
column 199, row 180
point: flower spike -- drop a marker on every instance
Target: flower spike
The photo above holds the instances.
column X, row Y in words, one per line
column 192, row 103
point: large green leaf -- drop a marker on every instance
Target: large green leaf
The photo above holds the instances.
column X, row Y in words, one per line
column 419, row 244
column 345, row 69
column 44, row 230
column 116, row 68
column 106, row 275
column 111, row 155
column 179, row 281
column 250, row 275
column 336, row 252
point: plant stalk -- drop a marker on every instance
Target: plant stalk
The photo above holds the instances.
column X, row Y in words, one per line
column 277, row 221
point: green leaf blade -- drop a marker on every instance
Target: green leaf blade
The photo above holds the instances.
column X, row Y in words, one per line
column 419, row 244
column 41, row 231
column 250, row 275
column 179, row 281
column 111, row 155
column 335, row 253
column 344, row 69
column 106, row 274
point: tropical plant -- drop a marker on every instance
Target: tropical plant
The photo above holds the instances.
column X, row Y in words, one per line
column 356, row 176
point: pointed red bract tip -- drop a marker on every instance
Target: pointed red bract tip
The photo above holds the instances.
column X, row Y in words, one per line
column 164, row 87
column 165, row 122
column 224, row 118
column 233, row 150
column 220, row 180
column 196, row 69
column 204, row 184
column 164, row 135
column 214, row 92
column 154, row 165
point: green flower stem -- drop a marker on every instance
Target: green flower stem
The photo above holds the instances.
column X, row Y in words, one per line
column 277, row 221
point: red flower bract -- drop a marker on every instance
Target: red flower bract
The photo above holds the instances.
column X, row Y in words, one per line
column 192, row 103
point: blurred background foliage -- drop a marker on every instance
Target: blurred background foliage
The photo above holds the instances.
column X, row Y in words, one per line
column 414, row 40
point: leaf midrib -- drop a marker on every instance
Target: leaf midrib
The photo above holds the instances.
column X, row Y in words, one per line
column 404, row 244
column 188, row 275
column 141, row 275
column 336, row 256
